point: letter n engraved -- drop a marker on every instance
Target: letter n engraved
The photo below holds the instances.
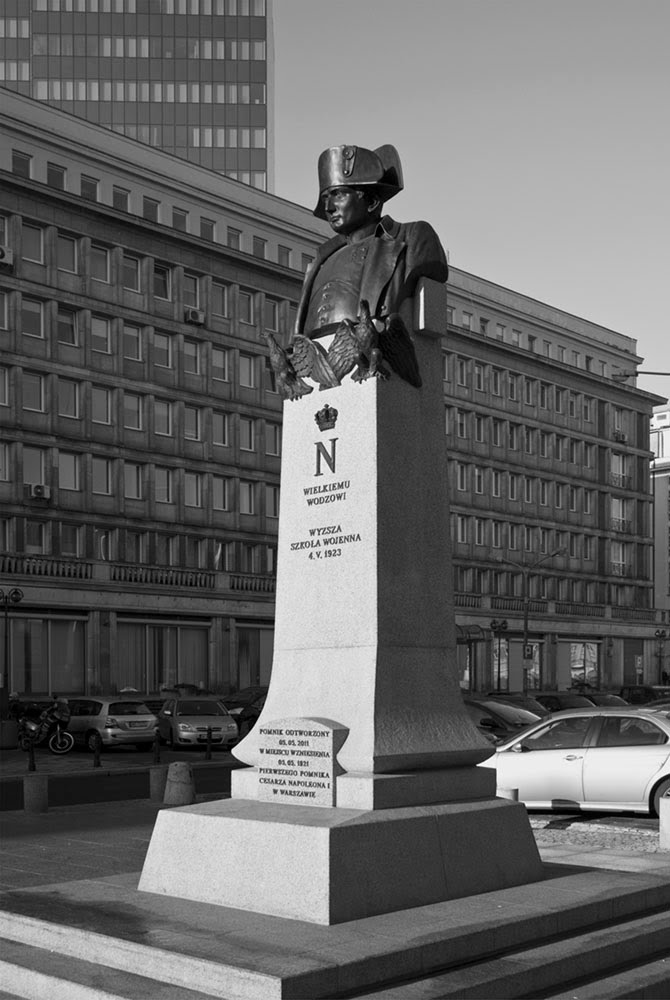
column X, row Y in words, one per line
column 327, row 456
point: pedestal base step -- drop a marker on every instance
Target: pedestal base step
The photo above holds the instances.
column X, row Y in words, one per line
column 327, row 866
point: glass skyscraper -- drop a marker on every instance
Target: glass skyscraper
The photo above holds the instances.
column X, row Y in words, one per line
column 190, row 77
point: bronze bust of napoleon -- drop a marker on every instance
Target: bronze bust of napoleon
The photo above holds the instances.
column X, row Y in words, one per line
column 360, row 277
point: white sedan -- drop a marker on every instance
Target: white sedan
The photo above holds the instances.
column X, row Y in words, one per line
column 607, row 759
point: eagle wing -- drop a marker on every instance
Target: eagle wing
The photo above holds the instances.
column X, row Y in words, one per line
column 311, row 361
column 397, row 348
column 344, row 349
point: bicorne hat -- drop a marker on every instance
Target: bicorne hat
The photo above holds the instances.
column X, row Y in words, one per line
column 355, row 166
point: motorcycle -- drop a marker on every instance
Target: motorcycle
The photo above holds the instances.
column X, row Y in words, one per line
column 50, row 728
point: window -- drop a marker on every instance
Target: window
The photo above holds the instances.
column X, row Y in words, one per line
column 246, row 434
column 35, row 543
column 163, row 485
column 247, row 371
column 259, row 247
column 305, row 261
column 513, row 486
column 69, row 477
column 532, row 342
column 234, row 238
column 219, row 428
column 479, row 480
column 461, row 424
column 495, row 381
column 544, row 491
column 544, row 395
column 132, row 481
column 66, row 253
column 4, row 388
column 496, row 534
column 572, row 404
column 495, row 483
column 33, row 391
column 247, row 505
column 461, row 372
column 528, row 391
column 544, row 444
column 220, row 493
column 70, row 540
column 246, row 307
column 559, row 396
column 461, row 528
column 150, row 209
column 461, row 476
column 31, row 318
column 512, row 382
column 220, row 364
column 513, row 436
column 558, row 447
column 179, row 219
column 132, row 342
column 572, row 495
column 496, row 432
column 68, row 398
column 192, row 423
column 500, row 331
column 89, row 187
column 588, row 501
column 99, row 263
column 163, row 417
column 120, row 198
column 100, row 337
column 284, row 256
column 3, row 310
column 33, row 465
column 445, row 366
column 33, row 249
column 207, row 230
column 589, row 452
column 528, row 439
column 162, row 353
column 587, row 409
column 272, row 501
column 21, row 163
column 466, row 320
column 483, row 327
column 514, row 536
column 527, row 490
column 161, row 281
column 101, row 475
column 56, row 176
column 100, row 405
column 450, row 314
column 191, row 291
column 479, row 377
column 219, row 299
column 191, row 356
column 558, row 494
column 192, row 489
column 271, row 314
column 132, row 411
column 479, row 531
column 574, row 451
column 130, row 273
column 272, row 439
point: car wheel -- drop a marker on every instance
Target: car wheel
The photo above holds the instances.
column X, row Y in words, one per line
column 91, row 740
column 659, row 792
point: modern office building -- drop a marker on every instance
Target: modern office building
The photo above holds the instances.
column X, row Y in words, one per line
column 140, row 437
column 191, row 77
column 140, row 430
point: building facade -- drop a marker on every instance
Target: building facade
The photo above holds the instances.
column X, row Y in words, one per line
column 140, row 430
column 660, row 468
column 551, row 496
column 191, row 77
column 140, row 438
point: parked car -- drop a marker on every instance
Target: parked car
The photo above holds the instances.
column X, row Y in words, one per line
column 184, row 722
column 498, row 718
column 605, row 698
column 526, row 701
column 117, row 721
column 558, row 701
column 605, row 759
column 245, row 706
column 643, row 694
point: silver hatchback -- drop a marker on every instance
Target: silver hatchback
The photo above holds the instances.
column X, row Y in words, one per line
column 118, row 722
column 185, row 721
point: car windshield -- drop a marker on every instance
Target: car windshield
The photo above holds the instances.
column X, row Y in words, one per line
column 510, row 713
column 129, row 708
column 196, row 707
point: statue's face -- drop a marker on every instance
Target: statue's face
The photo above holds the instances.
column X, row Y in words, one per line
column 347, row 209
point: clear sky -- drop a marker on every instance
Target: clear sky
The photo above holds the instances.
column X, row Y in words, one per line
column 534, row 136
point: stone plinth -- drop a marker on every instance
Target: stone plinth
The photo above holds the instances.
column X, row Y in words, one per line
column 327, row 866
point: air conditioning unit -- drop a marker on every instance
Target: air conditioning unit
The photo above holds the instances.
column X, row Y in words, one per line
column 195, row 316
column 7, row 256
column 619, row 436
column 40, row 492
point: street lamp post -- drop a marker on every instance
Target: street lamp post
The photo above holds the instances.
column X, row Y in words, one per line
column 498, row 628
column 526, row 570
column 661, row 636
column 8, row 598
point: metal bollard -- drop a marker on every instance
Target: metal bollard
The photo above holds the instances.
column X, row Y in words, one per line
column 97, row 748
column 664, row 822
column 208, row 751
column 31, row 758
column 157, row 746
